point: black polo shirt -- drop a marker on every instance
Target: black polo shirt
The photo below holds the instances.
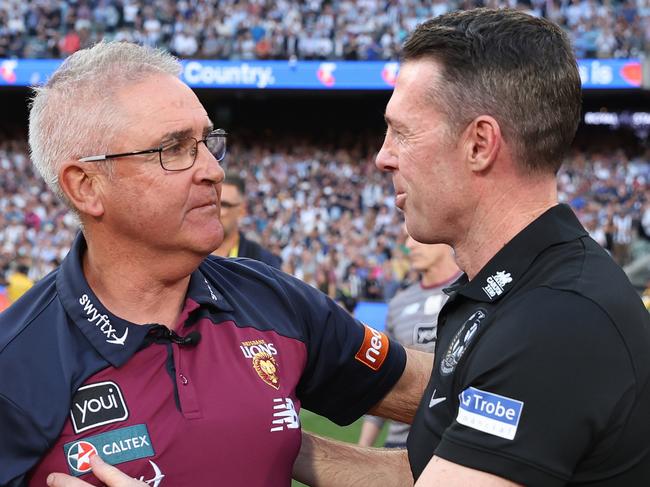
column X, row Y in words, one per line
column 542, row 366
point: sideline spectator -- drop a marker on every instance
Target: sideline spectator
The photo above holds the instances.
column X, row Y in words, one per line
column 233, row 209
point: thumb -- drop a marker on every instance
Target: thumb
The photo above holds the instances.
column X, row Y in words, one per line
column 110, row 475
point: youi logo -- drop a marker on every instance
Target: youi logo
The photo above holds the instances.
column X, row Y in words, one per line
column 491, row 413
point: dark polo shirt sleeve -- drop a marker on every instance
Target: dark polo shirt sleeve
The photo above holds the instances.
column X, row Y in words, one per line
column 561, row 389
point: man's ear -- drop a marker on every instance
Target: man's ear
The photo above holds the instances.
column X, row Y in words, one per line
column 483, row 142
column 80, row 182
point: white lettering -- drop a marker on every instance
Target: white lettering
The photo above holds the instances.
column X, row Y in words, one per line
column 94, row 405
column 250, row 351
column 496, row 409
column 83, row 411
column 242, row 74
column 373, row 351
column 375, row 346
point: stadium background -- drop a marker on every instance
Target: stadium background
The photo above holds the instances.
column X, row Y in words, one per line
column 325, row 137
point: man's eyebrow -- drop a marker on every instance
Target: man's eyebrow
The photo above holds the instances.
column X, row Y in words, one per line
column 176, row 135
column 184, row 133
column 394, row 123
column 208, row 128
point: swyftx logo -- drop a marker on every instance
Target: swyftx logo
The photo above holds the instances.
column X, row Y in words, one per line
column 102, row 322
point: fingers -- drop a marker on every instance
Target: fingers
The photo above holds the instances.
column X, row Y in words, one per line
column 64, row 480
column 108, row 474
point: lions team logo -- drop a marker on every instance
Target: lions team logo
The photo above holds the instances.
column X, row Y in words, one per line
column 262, row 355
column 79, row 456
column 267, row 368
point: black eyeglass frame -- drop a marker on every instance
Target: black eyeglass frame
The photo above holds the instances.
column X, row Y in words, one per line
column 213, row 134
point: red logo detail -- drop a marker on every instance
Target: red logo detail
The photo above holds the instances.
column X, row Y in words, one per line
column 7, row 71
column 389, row 73
column 631, row 72
column 325, row 74
column 79, row 456
column 374, row 348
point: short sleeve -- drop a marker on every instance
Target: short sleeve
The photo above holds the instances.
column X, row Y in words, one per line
column 21, row 444
column 350, row 367
column 548, row 380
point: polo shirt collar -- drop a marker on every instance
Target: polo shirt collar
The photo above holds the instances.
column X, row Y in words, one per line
column 557, row 225
column 114, row 338
column 202, row 293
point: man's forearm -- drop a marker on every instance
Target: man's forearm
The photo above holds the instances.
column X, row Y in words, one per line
column 323, row 462
column 402, row 401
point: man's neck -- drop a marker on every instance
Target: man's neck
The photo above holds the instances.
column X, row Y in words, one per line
column 229, row 242
column 139, row 288
column 497, row 220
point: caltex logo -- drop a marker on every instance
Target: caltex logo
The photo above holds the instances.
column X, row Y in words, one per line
column 79, row 456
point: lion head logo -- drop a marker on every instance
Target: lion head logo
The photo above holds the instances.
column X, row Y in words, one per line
column 267, row 368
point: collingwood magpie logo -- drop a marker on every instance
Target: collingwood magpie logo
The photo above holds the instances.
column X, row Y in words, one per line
column 461, row 341
column 101, row 321
column 96, row 405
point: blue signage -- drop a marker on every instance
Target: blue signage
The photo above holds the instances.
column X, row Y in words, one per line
column 313, row 75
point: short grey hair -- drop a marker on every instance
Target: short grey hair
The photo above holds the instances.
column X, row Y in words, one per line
column 73, row 115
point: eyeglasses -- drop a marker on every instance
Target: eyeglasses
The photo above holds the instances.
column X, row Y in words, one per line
column 177, row 155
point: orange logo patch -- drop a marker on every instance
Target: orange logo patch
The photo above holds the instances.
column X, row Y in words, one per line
column 374, row 348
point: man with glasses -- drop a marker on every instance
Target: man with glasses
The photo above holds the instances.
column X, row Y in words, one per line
column 176, row 366
column 233, row 209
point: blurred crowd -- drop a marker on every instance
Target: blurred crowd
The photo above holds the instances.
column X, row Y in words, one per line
column 327, row 211
column 292, row 29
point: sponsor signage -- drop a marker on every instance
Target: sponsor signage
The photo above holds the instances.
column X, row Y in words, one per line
column 374, row 348
column 491, row 413
column 116, row 446
column 96, row 405
column 314, row 75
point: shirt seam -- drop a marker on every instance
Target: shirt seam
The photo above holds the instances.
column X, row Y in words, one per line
column 507, row 457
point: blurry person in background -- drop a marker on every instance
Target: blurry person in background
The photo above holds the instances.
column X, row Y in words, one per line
column 18, row 282
column 233, row 209
column 412, row 320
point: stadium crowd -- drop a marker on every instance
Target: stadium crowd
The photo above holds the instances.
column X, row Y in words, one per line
column 327, row 211
column 292, row 29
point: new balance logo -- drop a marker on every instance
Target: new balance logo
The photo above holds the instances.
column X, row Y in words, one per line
column 284, row 415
